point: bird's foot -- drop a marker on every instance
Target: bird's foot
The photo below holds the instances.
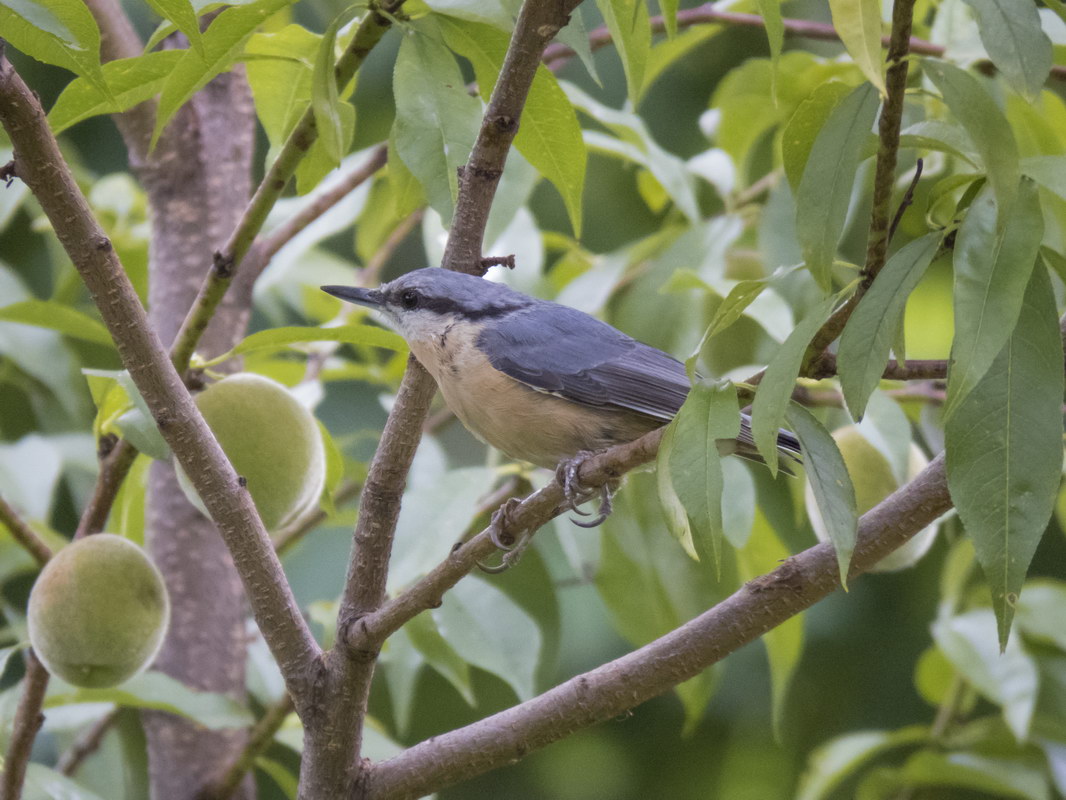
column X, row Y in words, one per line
column 502, row 535
column 576, row 493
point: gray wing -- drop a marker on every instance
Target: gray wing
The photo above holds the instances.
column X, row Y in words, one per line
column 567, row 353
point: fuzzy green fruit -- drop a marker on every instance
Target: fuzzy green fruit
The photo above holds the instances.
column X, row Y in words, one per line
column 98, row 612
column 871, row 474
column 272, row 441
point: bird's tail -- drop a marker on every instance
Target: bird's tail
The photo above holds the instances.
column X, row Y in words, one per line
column 788, row 446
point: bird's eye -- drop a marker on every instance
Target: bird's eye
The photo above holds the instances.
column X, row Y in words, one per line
column 409, row 299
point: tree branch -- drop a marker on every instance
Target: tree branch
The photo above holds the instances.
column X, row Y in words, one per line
column 28, row 719
column 618, row 686
column 42, row 168
column 884, row 177
column 709, row 14
column 114, row 466
column 228, row 260
column 86, row 744
column 23, row 534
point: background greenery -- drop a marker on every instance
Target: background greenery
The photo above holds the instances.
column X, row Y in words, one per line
column 665, row 234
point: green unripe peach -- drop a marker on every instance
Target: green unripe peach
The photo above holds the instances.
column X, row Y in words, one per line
column 872, row 477
column 98, row 612
column 272, row 441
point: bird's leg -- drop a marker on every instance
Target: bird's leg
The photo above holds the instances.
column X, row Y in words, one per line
column 502, row 536
column 576, row 493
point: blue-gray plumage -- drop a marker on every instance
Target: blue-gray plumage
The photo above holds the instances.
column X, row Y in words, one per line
column 539, row 380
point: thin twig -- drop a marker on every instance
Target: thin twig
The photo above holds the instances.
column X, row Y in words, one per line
column 614, row 688
column 23, row 534
column 259, row 739
column 708, row 14
column 44, row 171
column 286, row 540
column 371, row 273
column 114, row 466
column 229, row 258
column 28, row 720
column 86, row 744
column 908, row 199
column 884, row 176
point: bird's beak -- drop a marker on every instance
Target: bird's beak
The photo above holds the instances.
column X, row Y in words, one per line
column 371, row 298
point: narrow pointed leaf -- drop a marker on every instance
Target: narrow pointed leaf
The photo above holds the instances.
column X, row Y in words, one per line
column 709, row 413
column 1004, row 449
column 630, row 28
column 1012, row 35
column 325, row 97
column 775, row 34
column 549, row 135
column 828, row 177
column 58, row 317
column 132, row 81
column 277, row 338
column 858, row 22
column 831, row 483
column 984, row 122
column 802, row 128
column 870, row 332
column 775, row 388
column 183, row 15
column 993, row 260
column 672, row 507
column 436, row 120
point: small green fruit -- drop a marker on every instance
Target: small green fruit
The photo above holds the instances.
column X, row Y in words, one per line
column 98, row 612
column 272, row 441
column 872, row 477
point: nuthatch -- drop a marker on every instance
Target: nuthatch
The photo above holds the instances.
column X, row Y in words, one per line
column 543, row 382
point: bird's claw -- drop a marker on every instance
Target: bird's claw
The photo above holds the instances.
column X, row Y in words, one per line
column 576, row 493
column 500, row 534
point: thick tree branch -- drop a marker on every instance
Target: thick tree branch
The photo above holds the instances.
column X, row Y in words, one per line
column 42, row 168
column 884, row 177
column 28, row 719
column 228, row 260
column 23, row 534
column 709, row 14
column 618, row 686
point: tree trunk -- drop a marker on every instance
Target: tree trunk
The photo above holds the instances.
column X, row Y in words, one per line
column 198, row 182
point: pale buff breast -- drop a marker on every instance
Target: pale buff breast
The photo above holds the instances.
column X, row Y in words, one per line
column 522, row 422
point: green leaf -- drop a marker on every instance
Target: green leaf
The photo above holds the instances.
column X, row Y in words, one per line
column 802, row 128
column 183, row 15
column 43, row 783
column 281, row 83
column 223, row 44
column 835, row 761
column 858, row 22
column 868, row 336
column 336, row 138
column 59, row 32
column 997, row 777
column 1004, row 449
column 280, row 774
column 276, row 338
column 58, row 317
column 830, row 482
column 984, row 122
column 940, row 135
column 775, row 388
column 549, row 135
column 775, row 34
column 994, row 257
column 630, row 28
column 1040, row 610
column 1008, row 676
column 160, row 692
column 436, row 120
column 440, row 654
column 825, row 189
column 506, row 642
column 1017, row 44
column 734, row 304
column 131, row 80
column 672, row 507
column 763, row 553
column 1048, row 171
column 669, row 12
column 121, row 409
column 710, row 413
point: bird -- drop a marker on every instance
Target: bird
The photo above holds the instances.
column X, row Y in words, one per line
column 542, row 382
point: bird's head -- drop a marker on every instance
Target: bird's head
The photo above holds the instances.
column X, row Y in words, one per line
column 422, row 304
